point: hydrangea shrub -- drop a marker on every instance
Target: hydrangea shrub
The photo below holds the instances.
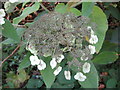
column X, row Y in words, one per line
column 61, row 43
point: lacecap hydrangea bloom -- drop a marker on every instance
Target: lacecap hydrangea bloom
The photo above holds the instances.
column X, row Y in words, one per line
column 56, row 35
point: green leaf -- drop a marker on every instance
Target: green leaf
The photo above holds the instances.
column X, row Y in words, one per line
column 107, row 12
column 9, row 41
column 20, row 31
column 75, row 11
column 113, row 73
column 34, row 83
column 99, row 18
column 115, row 36
column 62, row 80
column 108, row 46
column 22, row 76
column 9, row 31
column 92, row 78
column 62, row 8
column 25, row 62
column 87, row 8
column 111, row 83
column 40, row 14
column 47, row 73
column 105, row 57
column 114, row 12
column 22, row 49
column 57, row 85
column 26, row 12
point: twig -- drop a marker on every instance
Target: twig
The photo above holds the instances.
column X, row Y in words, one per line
column 76, row 4
column 10, row 55
column 44, row 7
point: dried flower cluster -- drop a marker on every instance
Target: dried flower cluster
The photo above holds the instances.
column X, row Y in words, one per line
column 55, row 34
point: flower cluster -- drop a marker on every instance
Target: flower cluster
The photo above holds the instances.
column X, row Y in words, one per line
column 41, row 65
column 54, row 61
column 13, row 1
column 2, row 14
column 54, row 35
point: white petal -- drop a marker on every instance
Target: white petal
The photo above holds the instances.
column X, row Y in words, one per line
column 13, row 1
column 57, row 71
column 60, row 58
column 2, row 21
column 89, row 27
column 85, row 59
column 53, row 63
column 34, row 60
column 92, row 32
column 2, row 13
column 32, row 49
column 79, row 76
column 39, row 67
column 92, row 49
column 42, row 65
column 76, row 76
column 67, row 75
column 93, row 39
column 86, row 67
column 6, row 5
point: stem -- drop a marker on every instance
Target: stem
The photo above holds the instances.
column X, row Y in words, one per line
column 10, row 55
column 76, row 4
column 44, row 7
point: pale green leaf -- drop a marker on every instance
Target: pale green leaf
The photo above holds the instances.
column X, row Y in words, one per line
column 25, row 62
column 26, row 12
column 61, row 8
column 47, row 73
column 92, row 78
column 9, row 31
column 87, row 8
column 75, row 11
column 99, row 18
column 61, row 77
column 9, row 41
column 34, row 83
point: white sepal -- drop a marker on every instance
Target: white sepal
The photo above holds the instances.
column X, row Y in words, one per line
column 67, row 75
column 42, row 65
column 86, row 67
column 80, row 77
column 57, row 71
column 92, row 49
column 53, row 63
column 34, row 60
